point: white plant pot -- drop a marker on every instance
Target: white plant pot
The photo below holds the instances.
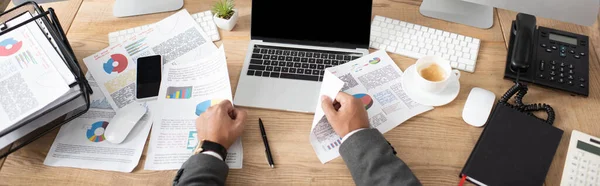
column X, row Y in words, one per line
column 226, row 24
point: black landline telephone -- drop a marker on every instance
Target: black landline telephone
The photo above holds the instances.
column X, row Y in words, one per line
column 547, row 57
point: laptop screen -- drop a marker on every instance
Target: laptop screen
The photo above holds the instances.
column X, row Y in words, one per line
column 335, row 23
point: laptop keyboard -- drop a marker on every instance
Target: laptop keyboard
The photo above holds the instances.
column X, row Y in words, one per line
column 293, row 63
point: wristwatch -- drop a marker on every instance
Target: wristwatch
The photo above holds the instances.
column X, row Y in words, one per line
column 205, row 145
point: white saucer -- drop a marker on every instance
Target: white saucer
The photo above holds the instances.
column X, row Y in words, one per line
column 426, row 98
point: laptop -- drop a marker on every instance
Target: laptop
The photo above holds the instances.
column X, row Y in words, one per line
column 292, row 43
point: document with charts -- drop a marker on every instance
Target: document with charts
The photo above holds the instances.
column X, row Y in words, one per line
column 186, row 91
column 374, row 79
column 29, row 79
column 176, row 38
column 81, row 142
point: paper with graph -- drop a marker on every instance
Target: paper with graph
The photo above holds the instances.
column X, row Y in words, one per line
column 81, row 143
column 186, row 91
column 374, row 79
column 176, row 38
column 29, row 79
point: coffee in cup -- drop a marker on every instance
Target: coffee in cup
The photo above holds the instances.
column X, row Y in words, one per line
column 434, row 74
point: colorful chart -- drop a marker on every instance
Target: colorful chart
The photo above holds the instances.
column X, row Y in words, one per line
column 136, row 47
column 26, row 59
column 9, row 46
column 179, row 92
column 366, row 100
column 335, row 144
column 375, row 60
column 203, row 106
column 96, row 132
column 116, row 63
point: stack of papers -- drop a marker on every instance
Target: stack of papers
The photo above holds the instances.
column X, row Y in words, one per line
column 374, row 79
column 33, row 75
column 183, row 46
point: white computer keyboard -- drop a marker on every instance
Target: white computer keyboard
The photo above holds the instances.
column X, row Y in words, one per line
column 204, row 19
column 416, row 41
column 582, row 164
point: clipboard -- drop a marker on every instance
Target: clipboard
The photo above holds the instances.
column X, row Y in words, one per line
column 70, row 106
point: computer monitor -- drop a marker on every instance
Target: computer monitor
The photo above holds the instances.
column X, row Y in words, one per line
column 480, row 13
column 124, row 8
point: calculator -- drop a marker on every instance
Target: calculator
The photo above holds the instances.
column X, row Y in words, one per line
column 582, row 165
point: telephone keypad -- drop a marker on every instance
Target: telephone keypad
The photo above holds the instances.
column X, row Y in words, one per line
column 561, row 65
column 564, row 64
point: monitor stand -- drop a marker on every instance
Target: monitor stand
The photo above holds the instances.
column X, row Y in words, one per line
column 124, row 8
column 459, row 11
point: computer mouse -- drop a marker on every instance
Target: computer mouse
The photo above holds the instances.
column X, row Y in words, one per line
column 121, row 124
column 478, row 106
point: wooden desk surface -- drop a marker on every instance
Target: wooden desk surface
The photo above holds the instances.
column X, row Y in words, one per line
column 435, row 144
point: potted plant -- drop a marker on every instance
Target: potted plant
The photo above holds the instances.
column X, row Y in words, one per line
column 225, row 16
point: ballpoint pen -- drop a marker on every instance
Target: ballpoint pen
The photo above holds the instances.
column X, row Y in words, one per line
column 266, row 142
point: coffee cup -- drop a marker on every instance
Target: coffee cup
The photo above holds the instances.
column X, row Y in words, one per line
column 434, row 74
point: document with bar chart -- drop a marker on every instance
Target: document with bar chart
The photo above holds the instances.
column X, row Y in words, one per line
column 28, row 78
column 186, row 91
column 179, row 92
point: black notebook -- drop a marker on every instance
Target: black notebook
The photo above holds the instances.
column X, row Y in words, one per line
column 515, row 148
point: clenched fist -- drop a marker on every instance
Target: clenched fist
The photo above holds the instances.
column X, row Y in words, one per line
column 221, row 124
column 346, row 114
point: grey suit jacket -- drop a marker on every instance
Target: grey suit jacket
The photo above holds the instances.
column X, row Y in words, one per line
column 367, row 154
column 202, row 169
column 372, row 160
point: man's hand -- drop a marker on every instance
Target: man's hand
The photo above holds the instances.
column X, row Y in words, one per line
column 221, row 124
column 346, row 114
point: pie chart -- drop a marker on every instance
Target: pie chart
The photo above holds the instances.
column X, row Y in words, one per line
column 9, row 46
column 375, row 60
column 203, row 106
column 365, row 99
column 96, row 132
column 117, row 63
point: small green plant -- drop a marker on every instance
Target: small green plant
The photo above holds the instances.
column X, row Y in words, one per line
column 223, row 9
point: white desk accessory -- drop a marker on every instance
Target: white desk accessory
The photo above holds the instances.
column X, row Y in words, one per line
column 416, row 41
column 582, row 164
column 121, row 124
column 478, row 106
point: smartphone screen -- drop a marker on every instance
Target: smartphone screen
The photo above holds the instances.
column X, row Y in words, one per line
column 148, row 76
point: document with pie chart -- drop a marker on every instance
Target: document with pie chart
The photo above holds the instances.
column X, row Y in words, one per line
column 81, row 143
column 29, row 80
column 187, row 92
column 177, row 38
column 375, row 81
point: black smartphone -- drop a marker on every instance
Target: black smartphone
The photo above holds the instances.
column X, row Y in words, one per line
column 149, row 72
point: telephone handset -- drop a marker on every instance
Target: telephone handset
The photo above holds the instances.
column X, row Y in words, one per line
column 547, row 57
column 523, row 50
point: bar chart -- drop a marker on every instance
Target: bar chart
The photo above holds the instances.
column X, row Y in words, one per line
column 179, row 92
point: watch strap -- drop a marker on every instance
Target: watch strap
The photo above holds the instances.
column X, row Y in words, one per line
column 206, row 145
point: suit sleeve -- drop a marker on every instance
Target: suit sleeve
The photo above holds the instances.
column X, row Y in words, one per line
column 372, row 161
column 202, row 169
